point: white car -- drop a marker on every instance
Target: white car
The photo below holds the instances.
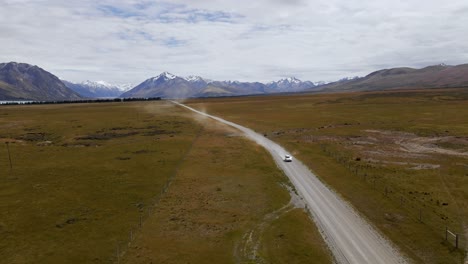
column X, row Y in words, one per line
column 287, row 158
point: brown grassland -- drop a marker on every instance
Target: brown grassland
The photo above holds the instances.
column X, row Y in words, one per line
column 227, row 204
column 399, row 157
column 140, row 182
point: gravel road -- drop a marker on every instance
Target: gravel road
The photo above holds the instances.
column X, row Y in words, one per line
column 349, row 236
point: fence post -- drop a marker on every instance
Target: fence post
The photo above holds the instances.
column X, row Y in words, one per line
column 9, row 156
column 456, row 241
column 118, row 253
column 446, row 233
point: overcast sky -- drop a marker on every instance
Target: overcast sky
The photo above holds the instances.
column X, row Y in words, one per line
column 256, row 40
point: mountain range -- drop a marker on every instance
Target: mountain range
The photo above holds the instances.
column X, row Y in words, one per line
column 98, row 89
column 21, row 81
column 167, row 85
column 437, row 76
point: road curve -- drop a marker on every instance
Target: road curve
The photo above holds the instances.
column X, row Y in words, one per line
column 350, row 238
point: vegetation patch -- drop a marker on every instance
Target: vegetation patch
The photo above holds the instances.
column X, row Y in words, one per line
column 106, row 190
column 226, row 190
column 41, row 136
column 399, row 157
column 107, row 135
column 74, row 200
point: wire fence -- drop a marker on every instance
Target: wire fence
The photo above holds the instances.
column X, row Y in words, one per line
column 432, row 214
column 122, row 246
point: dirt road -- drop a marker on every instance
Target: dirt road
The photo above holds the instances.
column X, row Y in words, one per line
column 350, row 238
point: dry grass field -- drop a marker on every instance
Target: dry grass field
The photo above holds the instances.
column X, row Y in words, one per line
column 400, row 157
column 81, row 176
column 227, row 204
column 141, row 182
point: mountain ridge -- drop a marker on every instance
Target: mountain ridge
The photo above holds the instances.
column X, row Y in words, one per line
column 22, row 81
column 434, row 76
column 97, row 89
column 167, row 85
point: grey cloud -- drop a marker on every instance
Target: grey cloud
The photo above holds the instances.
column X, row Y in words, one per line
column 131, row 40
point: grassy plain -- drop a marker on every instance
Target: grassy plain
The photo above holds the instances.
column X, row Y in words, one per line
column 227, row 204
column 83, row 176
column 400, row 157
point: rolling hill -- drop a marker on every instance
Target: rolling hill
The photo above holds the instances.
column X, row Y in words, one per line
column 437, row 76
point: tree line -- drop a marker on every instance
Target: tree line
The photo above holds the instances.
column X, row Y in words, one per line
column 82, row 101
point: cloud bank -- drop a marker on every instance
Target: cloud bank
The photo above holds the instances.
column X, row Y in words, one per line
column 129, row 41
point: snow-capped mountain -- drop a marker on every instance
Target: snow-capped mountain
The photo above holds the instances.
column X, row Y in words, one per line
column 320, row 83
column 345, row 79
column 193, row 78
column 125, row 86
column 164, row 76
column 96, row 89
column 105, row 85
column 290, row 84
column 169, row 76
column 286, row 80
column 167, row 85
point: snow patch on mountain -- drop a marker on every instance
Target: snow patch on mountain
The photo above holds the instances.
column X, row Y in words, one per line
column 98, row 89
column 106, row 85
column 291, row 80
column 348, row 79
column 167, row 85
column 165, row 76
column 98, row 84
column 193, row 78
column 285, row 80
column 321, row 83
column 124, row 86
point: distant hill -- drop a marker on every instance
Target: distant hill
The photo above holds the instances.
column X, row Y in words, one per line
column 99, row 89
column 438, row 76
column 167, row 85
column 21, row 81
